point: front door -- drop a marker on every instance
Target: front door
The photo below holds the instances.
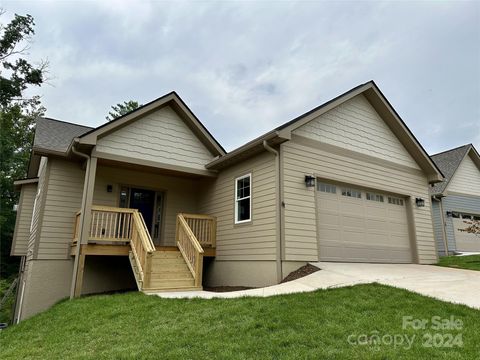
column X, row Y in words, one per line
column 144, row 201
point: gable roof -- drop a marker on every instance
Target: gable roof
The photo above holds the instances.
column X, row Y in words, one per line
column 449, row 161
column 53, row 135
column 376, row 98
column 171, row 99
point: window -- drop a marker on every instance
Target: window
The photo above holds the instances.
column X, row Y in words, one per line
column 395, row 201
column 374, row 197
column 327, row 188
column 243, row 197
column 352, row 193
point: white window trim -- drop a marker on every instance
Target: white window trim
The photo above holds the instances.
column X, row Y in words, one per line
column 37, row 196
column 249, row 175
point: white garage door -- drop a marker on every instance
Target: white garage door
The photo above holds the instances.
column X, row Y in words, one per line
column 465, row 241
column 360, row 225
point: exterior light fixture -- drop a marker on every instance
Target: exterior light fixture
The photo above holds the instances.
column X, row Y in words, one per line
column 420, row 202
column 449, row 213
column 309, row 181
column 109, row 188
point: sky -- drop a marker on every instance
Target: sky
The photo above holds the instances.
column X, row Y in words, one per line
column 247, row 67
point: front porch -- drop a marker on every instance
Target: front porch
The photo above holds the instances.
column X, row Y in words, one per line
column 123, row 232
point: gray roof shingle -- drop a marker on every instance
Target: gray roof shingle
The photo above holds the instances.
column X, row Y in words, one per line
column 56, row 135
column 448, row 162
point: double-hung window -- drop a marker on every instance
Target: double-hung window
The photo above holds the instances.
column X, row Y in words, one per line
column 243, row 199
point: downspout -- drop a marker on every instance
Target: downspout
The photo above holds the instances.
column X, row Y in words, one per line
column 442, row 219
column 82, row 209
column 279, row 210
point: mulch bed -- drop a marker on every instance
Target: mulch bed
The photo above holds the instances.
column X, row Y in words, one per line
column 301, row 272
column 226, row 288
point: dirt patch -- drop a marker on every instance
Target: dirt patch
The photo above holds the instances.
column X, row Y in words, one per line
column 226, row 288
column 301, row 272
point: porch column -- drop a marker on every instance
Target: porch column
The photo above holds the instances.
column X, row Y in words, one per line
column 84, row 226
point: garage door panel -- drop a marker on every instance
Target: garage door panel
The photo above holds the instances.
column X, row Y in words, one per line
column 360, row 230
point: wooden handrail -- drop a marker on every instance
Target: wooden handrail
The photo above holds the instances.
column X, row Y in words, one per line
column 204, row 227
column 114, row 224
column 190, row 249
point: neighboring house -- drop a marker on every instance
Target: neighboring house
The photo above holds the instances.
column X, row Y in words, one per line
column 456, row 200
column 153, row 191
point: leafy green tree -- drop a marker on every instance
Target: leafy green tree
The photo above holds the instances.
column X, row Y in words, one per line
column 17, row 118
column 122, row 109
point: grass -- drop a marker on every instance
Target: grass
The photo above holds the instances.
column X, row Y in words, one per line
column 306, row 326
column 469, row 262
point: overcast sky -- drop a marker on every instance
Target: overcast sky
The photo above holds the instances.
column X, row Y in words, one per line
column 246, row 67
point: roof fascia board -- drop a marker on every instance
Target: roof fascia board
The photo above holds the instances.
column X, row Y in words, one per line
column 251, row 144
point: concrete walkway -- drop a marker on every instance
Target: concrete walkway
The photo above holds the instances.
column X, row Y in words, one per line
column 453, row 285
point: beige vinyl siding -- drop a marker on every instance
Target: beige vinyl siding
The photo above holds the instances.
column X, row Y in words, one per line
column 38, row 207
column 356, row 126
column 255, row 240
column 63, row 199
column 466, row 179
column 300, row 235
column 162, row 137
column 180, row 193
column 24, row 219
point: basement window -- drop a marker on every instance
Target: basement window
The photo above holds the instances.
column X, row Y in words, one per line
column 352, row 193
column 243, row 199
column 395, row 201
column 327, row 188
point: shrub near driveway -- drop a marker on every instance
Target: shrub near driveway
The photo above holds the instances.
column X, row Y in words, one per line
column 342, row 323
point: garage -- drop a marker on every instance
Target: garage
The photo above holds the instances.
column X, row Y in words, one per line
column 465, row 242
column 360, row 225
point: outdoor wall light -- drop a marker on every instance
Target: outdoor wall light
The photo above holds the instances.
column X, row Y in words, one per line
column 109, row 188
column 309, row 181
column 449, row 213
column 420, row 202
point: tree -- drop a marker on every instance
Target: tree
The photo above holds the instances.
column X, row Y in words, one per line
column 473, row 227
column 17, row 118
column 122, row 109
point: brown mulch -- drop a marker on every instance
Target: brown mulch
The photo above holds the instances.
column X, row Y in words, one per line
column 226, row 288
column 301, row 272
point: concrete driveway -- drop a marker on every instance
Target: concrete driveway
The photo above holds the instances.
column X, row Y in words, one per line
column 453, row 285
column 447, row 284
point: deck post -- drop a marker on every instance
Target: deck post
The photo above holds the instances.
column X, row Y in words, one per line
column 84, row 225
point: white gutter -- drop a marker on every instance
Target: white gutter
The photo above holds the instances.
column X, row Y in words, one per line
column 442, row 218
column 279, row 210
column 82, row 209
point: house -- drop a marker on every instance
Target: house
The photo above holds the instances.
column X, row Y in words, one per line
column 456, row 200
column 152, row 201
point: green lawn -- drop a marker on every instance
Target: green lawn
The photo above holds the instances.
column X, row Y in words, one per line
column 470, row 262
column 300, row 326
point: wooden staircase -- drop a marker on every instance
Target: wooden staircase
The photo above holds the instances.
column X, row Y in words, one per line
column 168, row 272
column 164, row 269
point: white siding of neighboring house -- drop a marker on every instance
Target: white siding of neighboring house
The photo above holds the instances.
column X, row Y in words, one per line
column 466, row 179
column 24, row 219
column 161, row 137
column 356, row 126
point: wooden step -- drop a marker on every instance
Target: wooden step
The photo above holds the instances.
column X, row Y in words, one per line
column 152, row 290
column 167, row 255
column 171, row 273
column 171, row 283
column 160, row 267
